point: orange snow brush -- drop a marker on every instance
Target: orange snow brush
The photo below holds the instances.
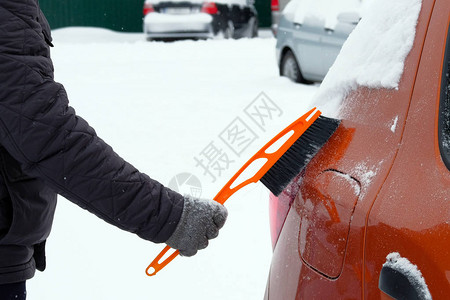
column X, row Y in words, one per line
column 275, row 164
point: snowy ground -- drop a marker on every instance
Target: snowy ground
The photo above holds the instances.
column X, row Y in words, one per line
column 161, row 105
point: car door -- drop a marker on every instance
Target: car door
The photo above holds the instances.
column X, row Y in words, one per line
column 332, row 41
column 411, row 214
column 307, row 44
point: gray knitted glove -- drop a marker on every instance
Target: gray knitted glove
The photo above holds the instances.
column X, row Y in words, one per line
column 200, row 221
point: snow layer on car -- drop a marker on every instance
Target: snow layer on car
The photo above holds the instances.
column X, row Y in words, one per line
column 374, row 54
column 319, row 12
column 404, row 266
column 229, row 2
column 168, row 18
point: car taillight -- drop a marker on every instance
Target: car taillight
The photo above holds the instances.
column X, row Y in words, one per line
column 210, row 8
column 275, row 5
column 278, row 210
column 148, row 8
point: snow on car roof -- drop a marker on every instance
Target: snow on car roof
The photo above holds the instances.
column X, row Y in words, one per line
column 319, row 11
column 374, row 54
column 230, row 2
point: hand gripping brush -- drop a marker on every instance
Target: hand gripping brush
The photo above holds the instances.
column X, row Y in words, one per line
column 279, row 161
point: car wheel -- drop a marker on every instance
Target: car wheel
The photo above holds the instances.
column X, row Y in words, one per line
column 229, row 31
column 254, row 32
column 289, row 68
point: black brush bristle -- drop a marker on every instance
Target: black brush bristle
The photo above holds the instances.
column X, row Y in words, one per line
column 299, row 154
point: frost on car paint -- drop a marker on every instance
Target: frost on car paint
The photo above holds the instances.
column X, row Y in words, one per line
column 394, row 124
column 354, row 184
column 404, row 266
column 366, row 172
column 373, row 56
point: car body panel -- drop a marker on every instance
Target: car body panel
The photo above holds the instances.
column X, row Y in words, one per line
column 307, row 48
column 412, row 216
column 387, row 143
column 326, row 205
column 181, row 25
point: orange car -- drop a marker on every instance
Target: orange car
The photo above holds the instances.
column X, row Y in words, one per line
column 369, row 216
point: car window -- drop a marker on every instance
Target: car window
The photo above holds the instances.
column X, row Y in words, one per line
column 444, row 115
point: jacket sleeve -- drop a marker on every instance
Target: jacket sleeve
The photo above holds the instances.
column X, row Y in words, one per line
column 41, row 131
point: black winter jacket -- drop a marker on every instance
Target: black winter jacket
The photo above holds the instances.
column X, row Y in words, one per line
column 45, row 148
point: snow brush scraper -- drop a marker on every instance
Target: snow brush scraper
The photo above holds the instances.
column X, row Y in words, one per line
column 275, row 164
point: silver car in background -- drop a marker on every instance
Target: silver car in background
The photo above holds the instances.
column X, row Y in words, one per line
column 308, row 43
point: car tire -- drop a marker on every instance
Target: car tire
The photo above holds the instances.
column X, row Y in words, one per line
column 254, row 32
column 290, row 69
column 229, row 31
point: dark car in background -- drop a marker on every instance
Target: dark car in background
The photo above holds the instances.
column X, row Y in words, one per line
column 178, row 19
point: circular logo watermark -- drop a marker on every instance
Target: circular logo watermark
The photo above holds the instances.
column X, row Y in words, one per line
column 186, row 184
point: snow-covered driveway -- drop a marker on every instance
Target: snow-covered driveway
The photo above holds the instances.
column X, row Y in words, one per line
column 164, row 107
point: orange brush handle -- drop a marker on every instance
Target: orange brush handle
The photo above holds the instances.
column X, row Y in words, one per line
column 298, row 128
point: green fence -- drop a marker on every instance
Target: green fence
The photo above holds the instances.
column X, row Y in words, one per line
column 264, row 12
column 119, row 15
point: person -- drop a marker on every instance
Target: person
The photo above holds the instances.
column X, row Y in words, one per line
column 46, row 149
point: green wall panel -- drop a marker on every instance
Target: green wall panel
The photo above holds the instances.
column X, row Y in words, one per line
column 264, row 12
column 119, row 15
